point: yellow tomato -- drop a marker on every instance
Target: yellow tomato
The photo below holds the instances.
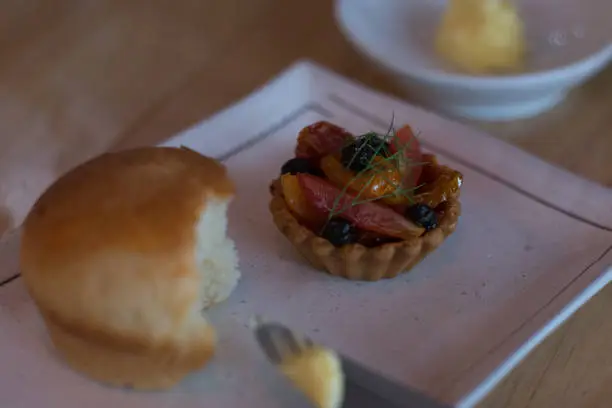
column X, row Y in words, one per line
column 294, row 197
column 381, row 182
column 442, row 184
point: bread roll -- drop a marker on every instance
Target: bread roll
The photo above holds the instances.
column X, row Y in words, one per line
column 121, row 255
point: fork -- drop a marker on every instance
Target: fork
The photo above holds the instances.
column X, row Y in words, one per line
column 364, row 388
column 279, row 342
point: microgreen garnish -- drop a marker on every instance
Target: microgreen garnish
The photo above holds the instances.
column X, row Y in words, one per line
column 377, row 168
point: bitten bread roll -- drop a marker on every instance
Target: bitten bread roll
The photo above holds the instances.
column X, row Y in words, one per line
column 122, row 253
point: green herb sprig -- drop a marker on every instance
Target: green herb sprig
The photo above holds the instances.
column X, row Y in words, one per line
column 377, row 169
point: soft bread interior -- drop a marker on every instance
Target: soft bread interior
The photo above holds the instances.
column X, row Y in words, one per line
column 216, row 255
column 317, row 372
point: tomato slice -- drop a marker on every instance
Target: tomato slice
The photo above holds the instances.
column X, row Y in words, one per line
column 406, row 141
column 368, row 216
column 321, row 138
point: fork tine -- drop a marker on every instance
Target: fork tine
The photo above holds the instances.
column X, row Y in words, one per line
column 277, row 341
column 264, row 338
column 292, row 342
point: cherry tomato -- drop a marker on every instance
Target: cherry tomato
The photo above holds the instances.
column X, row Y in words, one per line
column 430, row 169
column 321, row 138
column 411, row 163
column 368, row 216
column 380, row 182
column 429, row 158
column 444, row 184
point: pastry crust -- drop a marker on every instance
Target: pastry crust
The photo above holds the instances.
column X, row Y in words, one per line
column 356, row 261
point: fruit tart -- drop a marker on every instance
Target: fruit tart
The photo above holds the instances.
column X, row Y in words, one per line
column 364, row 207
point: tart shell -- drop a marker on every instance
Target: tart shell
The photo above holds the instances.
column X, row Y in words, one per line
column 355, row 261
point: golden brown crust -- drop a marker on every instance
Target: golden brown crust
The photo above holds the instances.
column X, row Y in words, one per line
column 104, row 201
column 143, row 369
column 108, row 254
column 355, row 261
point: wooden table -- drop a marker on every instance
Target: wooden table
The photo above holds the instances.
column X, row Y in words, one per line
column 78, row 77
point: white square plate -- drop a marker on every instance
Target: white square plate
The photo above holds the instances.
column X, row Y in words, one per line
column 532, row 246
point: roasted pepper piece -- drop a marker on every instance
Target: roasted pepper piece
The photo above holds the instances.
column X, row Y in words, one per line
column 297, row 203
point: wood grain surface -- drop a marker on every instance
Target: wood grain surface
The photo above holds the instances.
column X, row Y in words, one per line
column 78, row 77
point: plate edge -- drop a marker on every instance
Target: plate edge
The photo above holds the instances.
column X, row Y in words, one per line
column 493, row 379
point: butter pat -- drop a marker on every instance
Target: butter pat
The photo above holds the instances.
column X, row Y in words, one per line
column 317, row 373
column 482, row 36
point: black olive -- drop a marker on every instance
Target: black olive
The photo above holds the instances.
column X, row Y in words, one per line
column 301, row 165
column 358, row 155
column 351, row 160
column 339, row 232
column 422, row 215
column 378, row 145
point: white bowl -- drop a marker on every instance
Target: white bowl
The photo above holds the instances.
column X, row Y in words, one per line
column 569, row 41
